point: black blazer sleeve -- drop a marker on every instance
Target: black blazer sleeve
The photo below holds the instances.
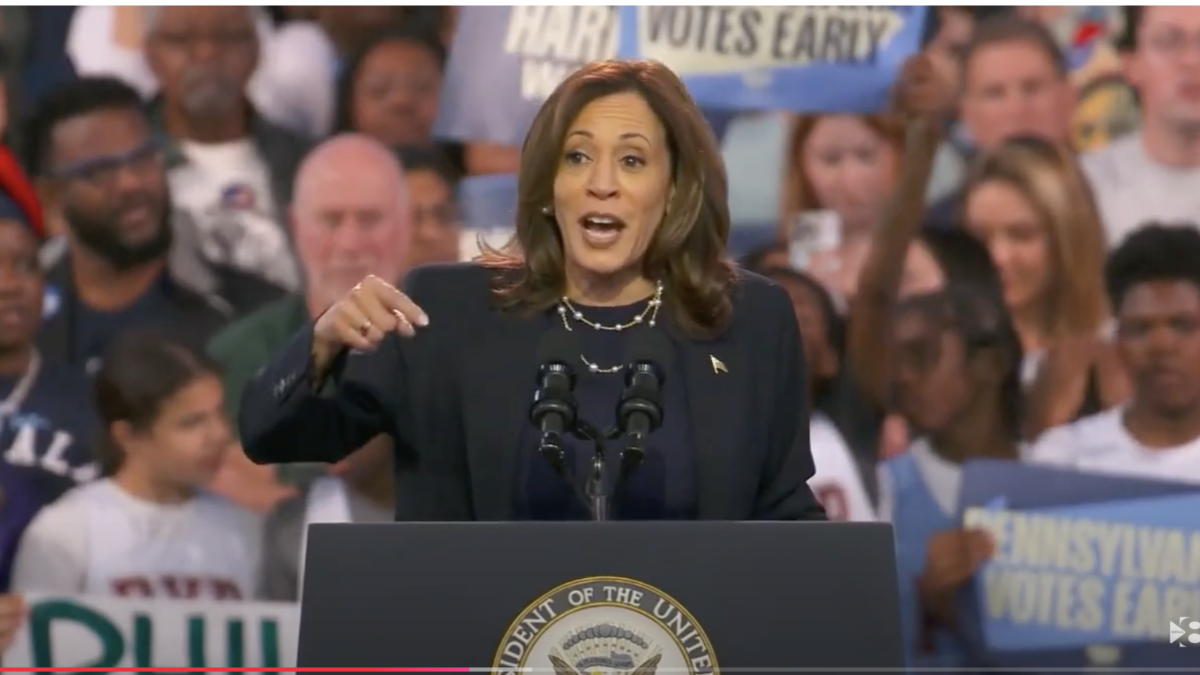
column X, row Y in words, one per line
column 281, row 419
column 783, row 492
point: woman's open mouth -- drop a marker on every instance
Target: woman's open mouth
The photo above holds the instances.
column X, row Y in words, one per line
column 601, row 230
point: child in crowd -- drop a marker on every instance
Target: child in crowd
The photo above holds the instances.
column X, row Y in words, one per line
column 147, row 529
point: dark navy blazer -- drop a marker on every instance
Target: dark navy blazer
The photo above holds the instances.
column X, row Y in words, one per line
column 456, row 400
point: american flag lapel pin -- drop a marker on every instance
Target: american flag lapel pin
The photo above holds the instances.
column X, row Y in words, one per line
column 718, row 366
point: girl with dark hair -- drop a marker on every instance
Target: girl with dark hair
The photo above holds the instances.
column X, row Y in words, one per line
column 148, row 529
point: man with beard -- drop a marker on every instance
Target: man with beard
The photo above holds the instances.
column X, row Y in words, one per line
column 230, row 170
column 99, row 164
column 352, row 216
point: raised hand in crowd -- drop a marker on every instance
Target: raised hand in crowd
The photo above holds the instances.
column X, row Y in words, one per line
column 952, row 557
column 923, row 91
column 920, row 95
column 361, row 319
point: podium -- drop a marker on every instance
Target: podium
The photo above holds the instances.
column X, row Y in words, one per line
column 576, row 598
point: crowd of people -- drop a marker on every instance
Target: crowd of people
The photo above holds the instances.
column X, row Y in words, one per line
column 207, row 180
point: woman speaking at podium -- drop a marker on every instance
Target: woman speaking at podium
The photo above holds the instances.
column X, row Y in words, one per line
column 620, row 233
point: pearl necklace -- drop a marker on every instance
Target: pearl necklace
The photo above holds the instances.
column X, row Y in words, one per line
column 651, row 312
column 649, row 315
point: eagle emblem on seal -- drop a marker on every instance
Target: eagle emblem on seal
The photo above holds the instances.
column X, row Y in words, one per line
column 605, row 649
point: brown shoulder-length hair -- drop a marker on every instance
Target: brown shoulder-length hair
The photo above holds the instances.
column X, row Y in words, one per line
column 796, row 193
column 1049, row 178
column 687, row 251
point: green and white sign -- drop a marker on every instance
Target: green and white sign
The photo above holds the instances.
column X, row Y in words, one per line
column 100, row 632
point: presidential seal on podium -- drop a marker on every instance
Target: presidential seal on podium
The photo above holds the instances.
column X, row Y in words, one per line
column 605, row 626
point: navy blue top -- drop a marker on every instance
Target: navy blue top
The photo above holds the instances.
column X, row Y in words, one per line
column 95, row 329
column 55, row 428
column 662, row 487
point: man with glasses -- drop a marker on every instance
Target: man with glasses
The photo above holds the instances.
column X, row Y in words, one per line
column 1153, row 174
column 100, row 167
column 352, row 216
column 229, row 169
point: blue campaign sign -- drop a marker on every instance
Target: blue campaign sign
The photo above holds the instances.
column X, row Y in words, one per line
column 488, row 202
column 505, row 61
column 807, row 59
column 1089, row 570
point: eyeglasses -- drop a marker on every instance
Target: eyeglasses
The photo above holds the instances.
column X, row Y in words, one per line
column 102, row 172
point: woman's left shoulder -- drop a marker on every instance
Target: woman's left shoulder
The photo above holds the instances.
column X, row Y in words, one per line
column 756, row 298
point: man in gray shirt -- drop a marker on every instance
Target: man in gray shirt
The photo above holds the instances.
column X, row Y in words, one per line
column 1154, row 173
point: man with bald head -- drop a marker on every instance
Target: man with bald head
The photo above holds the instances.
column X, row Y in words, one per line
column 351, row 217
column 230, row 170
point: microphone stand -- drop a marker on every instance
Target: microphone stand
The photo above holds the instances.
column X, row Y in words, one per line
column 635, row 452
column 597, row 496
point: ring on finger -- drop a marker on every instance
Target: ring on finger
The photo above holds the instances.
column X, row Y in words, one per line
column 365, row 328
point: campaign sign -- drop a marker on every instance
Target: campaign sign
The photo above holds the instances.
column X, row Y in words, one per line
column 506, row 61
column 806, row 59
column 1089, row 570
column 77, row 631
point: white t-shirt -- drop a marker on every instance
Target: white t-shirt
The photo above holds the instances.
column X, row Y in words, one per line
column 328, row 502
column 1100, row 443
column 225, row 189
column 1131, row 189
column 100, row 540
column 837, row 482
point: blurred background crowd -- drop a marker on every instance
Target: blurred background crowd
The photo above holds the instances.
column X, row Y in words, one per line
column 182, row 188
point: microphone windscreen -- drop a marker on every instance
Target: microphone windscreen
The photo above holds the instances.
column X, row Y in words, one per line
column 558, row 346
column 649, row 345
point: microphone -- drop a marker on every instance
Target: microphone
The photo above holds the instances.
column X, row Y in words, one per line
column 554, row 410
column 640, row 410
